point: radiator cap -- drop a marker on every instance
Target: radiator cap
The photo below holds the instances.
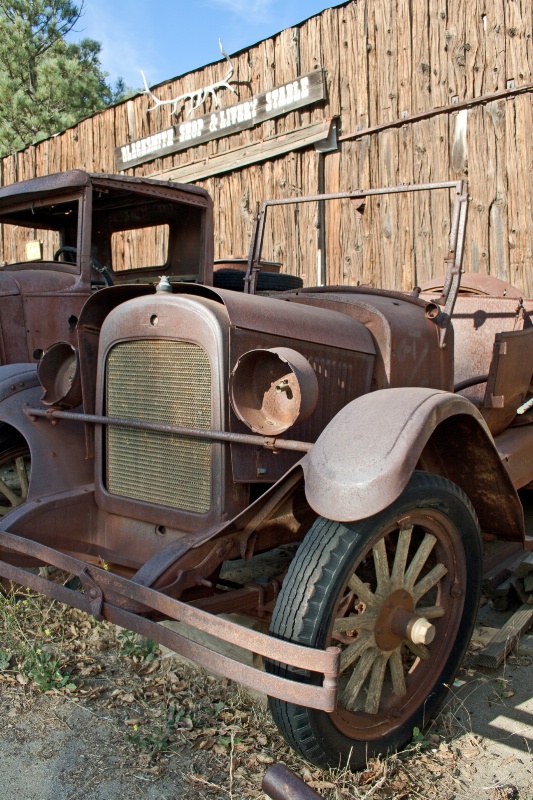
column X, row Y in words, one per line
column 163, row 285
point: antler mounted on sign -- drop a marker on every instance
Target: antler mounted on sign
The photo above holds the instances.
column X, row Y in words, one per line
column 198, row 96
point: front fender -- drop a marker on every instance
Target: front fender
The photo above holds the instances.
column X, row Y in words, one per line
column 365, row 457
column 58, row 458
column 15, row 378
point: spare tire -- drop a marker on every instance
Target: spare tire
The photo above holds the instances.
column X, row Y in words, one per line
column 266, row 282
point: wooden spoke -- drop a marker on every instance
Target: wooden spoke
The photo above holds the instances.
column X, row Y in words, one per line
column 429, row 581
column 362, row 591
column 353, row 651
column 418, row 650
column 382, row 567
column 23, row 477
column 400, row 559
column 358, row 677
column 359, row 622
column 375, row 687
column 9, row 494
column 419, row 559
column 431, row 612
column 397, row 674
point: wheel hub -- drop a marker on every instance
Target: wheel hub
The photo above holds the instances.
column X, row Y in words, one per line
column 397, row 622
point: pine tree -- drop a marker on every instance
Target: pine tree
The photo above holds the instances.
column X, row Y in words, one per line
column 46, row 84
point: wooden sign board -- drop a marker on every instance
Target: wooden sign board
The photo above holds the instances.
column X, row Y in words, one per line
column 302, row 91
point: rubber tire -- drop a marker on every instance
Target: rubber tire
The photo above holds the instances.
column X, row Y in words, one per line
column 318, row 573
column 267, row 281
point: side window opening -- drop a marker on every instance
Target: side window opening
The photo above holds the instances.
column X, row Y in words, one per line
column 35, row 232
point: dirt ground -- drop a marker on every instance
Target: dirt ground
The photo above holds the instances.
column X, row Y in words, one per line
column 118, row 719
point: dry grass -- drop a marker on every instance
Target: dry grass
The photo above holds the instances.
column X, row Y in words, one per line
column 171, row 721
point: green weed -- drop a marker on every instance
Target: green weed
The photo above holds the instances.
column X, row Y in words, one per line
column 46, row 671
column 138, row 648
column 419, row 738
column 153, row 743
column 159, row 740
column 5, row 659
column 29, row 645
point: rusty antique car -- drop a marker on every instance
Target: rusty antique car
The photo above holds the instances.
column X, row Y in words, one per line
column 348, row 444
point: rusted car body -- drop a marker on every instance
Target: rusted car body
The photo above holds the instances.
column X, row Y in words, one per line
column 376, row 429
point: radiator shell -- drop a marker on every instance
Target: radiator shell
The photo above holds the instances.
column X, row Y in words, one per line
column 159, row 328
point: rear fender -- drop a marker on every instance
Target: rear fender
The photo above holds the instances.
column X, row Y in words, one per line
column 365, row 457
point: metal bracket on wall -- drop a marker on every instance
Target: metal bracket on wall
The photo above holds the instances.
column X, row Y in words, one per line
column 330, row 144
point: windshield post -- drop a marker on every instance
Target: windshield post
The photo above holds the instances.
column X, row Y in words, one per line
column 454, row 260
column 85, row 233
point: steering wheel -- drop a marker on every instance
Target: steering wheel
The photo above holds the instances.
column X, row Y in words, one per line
column 72, row 252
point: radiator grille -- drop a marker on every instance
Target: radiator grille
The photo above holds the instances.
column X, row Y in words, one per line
column 168, row 382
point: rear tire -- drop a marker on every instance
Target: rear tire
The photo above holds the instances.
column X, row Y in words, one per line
column 361, row 586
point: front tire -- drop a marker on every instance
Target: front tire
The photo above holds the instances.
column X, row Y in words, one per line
column 363, row 586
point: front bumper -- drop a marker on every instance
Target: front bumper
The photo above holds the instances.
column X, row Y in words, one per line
column 101, row 596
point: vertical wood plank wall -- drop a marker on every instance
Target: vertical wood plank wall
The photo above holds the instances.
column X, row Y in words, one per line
column 385, row 59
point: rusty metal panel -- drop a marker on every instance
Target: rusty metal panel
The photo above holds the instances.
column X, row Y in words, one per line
column 78, row 179
column 14, row 345
column 406, row 341
column 50, row 319
column 36, row 187
column 8, row 285
column 270, row 315
column 373, row 462
column 515, row 446
column 476, row 321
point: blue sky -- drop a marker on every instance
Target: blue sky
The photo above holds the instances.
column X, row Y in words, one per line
column 165, row 38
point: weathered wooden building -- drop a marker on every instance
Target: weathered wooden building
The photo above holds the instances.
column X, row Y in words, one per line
column 367, row 93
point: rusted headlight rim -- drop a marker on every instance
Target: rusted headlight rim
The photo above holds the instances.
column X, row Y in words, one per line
column 60, row 377
column 273, row 389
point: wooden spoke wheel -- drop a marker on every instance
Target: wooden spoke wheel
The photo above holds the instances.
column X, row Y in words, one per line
column 394, row 593
column 14, row 471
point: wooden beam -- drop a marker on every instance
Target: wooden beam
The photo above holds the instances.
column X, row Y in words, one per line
column 321, row 133
column 482, row 636
column 506, row 638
